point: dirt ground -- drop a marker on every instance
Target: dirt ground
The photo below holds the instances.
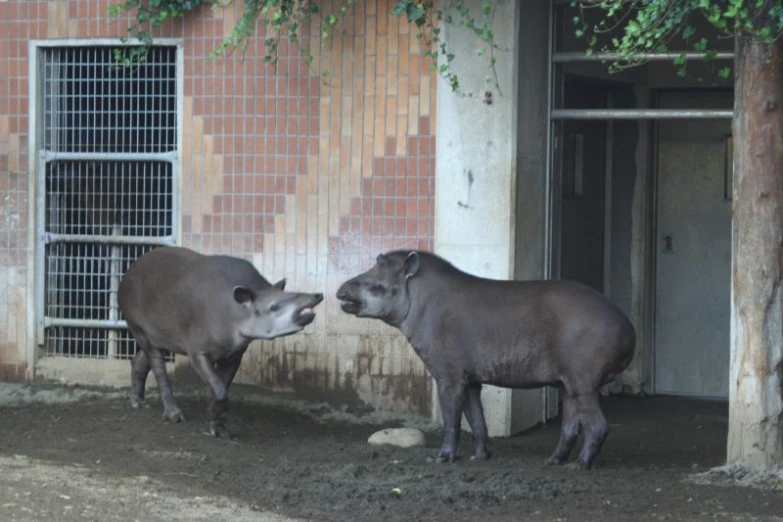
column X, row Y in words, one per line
column 98, row 459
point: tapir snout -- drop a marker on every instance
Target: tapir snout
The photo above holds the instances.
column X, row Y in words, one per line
column 380, row 292
column 348, row 293
column 305, row 313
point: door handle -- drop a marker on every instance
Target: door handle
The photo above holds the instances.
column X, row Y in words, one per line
column 667, row 243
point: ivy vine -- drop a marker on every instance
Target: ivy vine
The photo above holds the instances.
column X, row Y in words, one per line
column 649, row 26
column 289, row 18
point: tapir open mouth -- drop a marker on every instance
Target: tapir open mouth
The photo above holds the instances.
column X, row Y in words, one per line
column 351, row 306
column 305, row 316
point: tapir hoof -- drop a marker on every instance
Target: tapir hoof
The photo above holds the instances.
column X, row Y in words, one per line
column 173, row 415
column 554, row 461
column 447, row 456
column 578, row 464
column 136, row 402
column 219, row 431
column 481, row 455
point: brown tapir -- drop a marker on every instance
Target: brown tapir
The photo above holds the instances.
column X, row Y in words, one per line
column 206, row 307
column 471, row 331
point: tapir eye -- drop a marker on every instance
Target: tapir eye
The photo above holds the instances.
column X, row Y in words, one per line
column 274, row 307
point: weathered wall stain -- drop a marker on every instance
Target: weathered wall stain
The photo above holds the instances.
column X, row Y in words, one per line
column 370, row 380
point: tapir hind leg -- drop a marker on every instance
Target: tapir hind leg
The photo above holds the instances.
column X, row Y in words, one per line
column 171, row 411
column 569, row 431
column 452, row 399
column 140, row 368
column 475, row 415
column 595, row 429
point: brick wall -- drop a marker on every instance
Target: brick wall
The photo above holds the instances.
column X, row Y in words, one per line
column 309, row 181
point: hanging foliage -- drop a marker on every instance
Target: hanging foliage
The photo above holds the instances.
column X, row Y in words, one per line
column 644, row 26
column 291, row 19
column 648, row 26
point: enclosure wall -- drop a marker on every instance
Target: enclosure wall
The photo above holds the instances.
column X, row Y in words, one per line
column 309, row 180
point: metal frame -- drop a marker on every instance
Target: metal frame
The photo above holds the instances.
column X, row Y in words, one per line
column 39, row 158
column 549, row 397
column 640, row 114
column 573, row 57
column 608, row 167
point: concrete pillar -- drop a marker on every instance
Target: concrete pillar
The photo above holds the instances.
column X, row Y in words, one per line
column 476, row 173
column 532, row 189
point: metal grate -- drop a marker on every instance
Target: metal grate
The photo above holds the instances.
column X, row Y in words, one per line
column 88, row 342
column 108, row 162
column 93, row 104
column 81, row 278
column 125, row 198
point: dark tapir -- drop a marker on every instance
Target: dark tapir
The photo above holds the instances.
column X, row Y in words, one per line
column 471, row 331
column 206, row 307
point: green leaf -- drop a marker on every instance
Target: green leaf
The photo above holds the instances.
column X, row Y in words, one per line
column 399, row 8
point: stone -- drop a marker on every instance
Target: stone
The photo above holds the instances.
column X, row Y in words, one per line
column 400, row 437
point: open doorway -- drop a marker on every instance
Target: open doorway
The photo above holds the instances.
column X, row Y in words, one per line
column 640, row 204
column 583, row 187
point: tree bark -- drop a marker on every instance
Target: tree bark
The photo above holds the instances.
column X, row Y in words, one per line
column 755, row 397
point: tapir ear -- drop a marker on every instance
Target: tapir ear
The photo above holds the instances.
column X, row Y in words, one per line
column 280, row 285
column 242, row 295
column 381, row 259
column 412, row 264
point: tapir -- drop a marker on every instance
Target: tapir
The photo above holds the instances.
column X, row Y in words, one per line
column 471, row 331
column 209, row 308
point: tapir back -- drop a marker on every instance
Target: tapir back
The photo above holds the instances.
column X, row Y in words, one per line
column 517, row 333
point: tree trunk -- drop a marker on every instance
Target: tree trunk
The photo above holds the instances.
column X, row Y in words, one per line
column 756, row 372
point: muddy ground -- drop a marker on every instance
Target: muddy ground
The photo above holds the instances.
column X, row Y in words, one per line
column 97, row 459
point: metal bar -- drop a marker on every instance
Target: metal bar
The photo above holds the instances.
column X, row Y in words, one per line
column 40, row 250
column 575, row 57
column 84, row 323
column 176, row 222
column 550, row 71
column 176, row 177
column 109, row 156
column 49, row 238
column 640, row 114
column 106, row 42
column 608, row 179
column 114, row 285
column 549, row 394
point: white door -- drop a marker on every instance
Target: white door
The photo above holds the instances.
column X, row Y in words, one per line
column 693, row 250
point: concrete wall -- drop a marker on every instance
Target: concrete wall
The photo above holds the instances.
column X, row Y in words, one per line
column 308, row 181
column 491, row 172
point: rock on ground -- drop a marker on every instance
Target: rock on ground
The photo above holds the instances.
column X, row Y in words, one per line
column 400, row 437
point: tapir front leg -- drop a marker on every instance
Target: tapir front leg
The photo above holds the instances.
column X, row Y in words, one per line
column 219, row 406
column 475, row 415
column 227, row 368
column 451, row 393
